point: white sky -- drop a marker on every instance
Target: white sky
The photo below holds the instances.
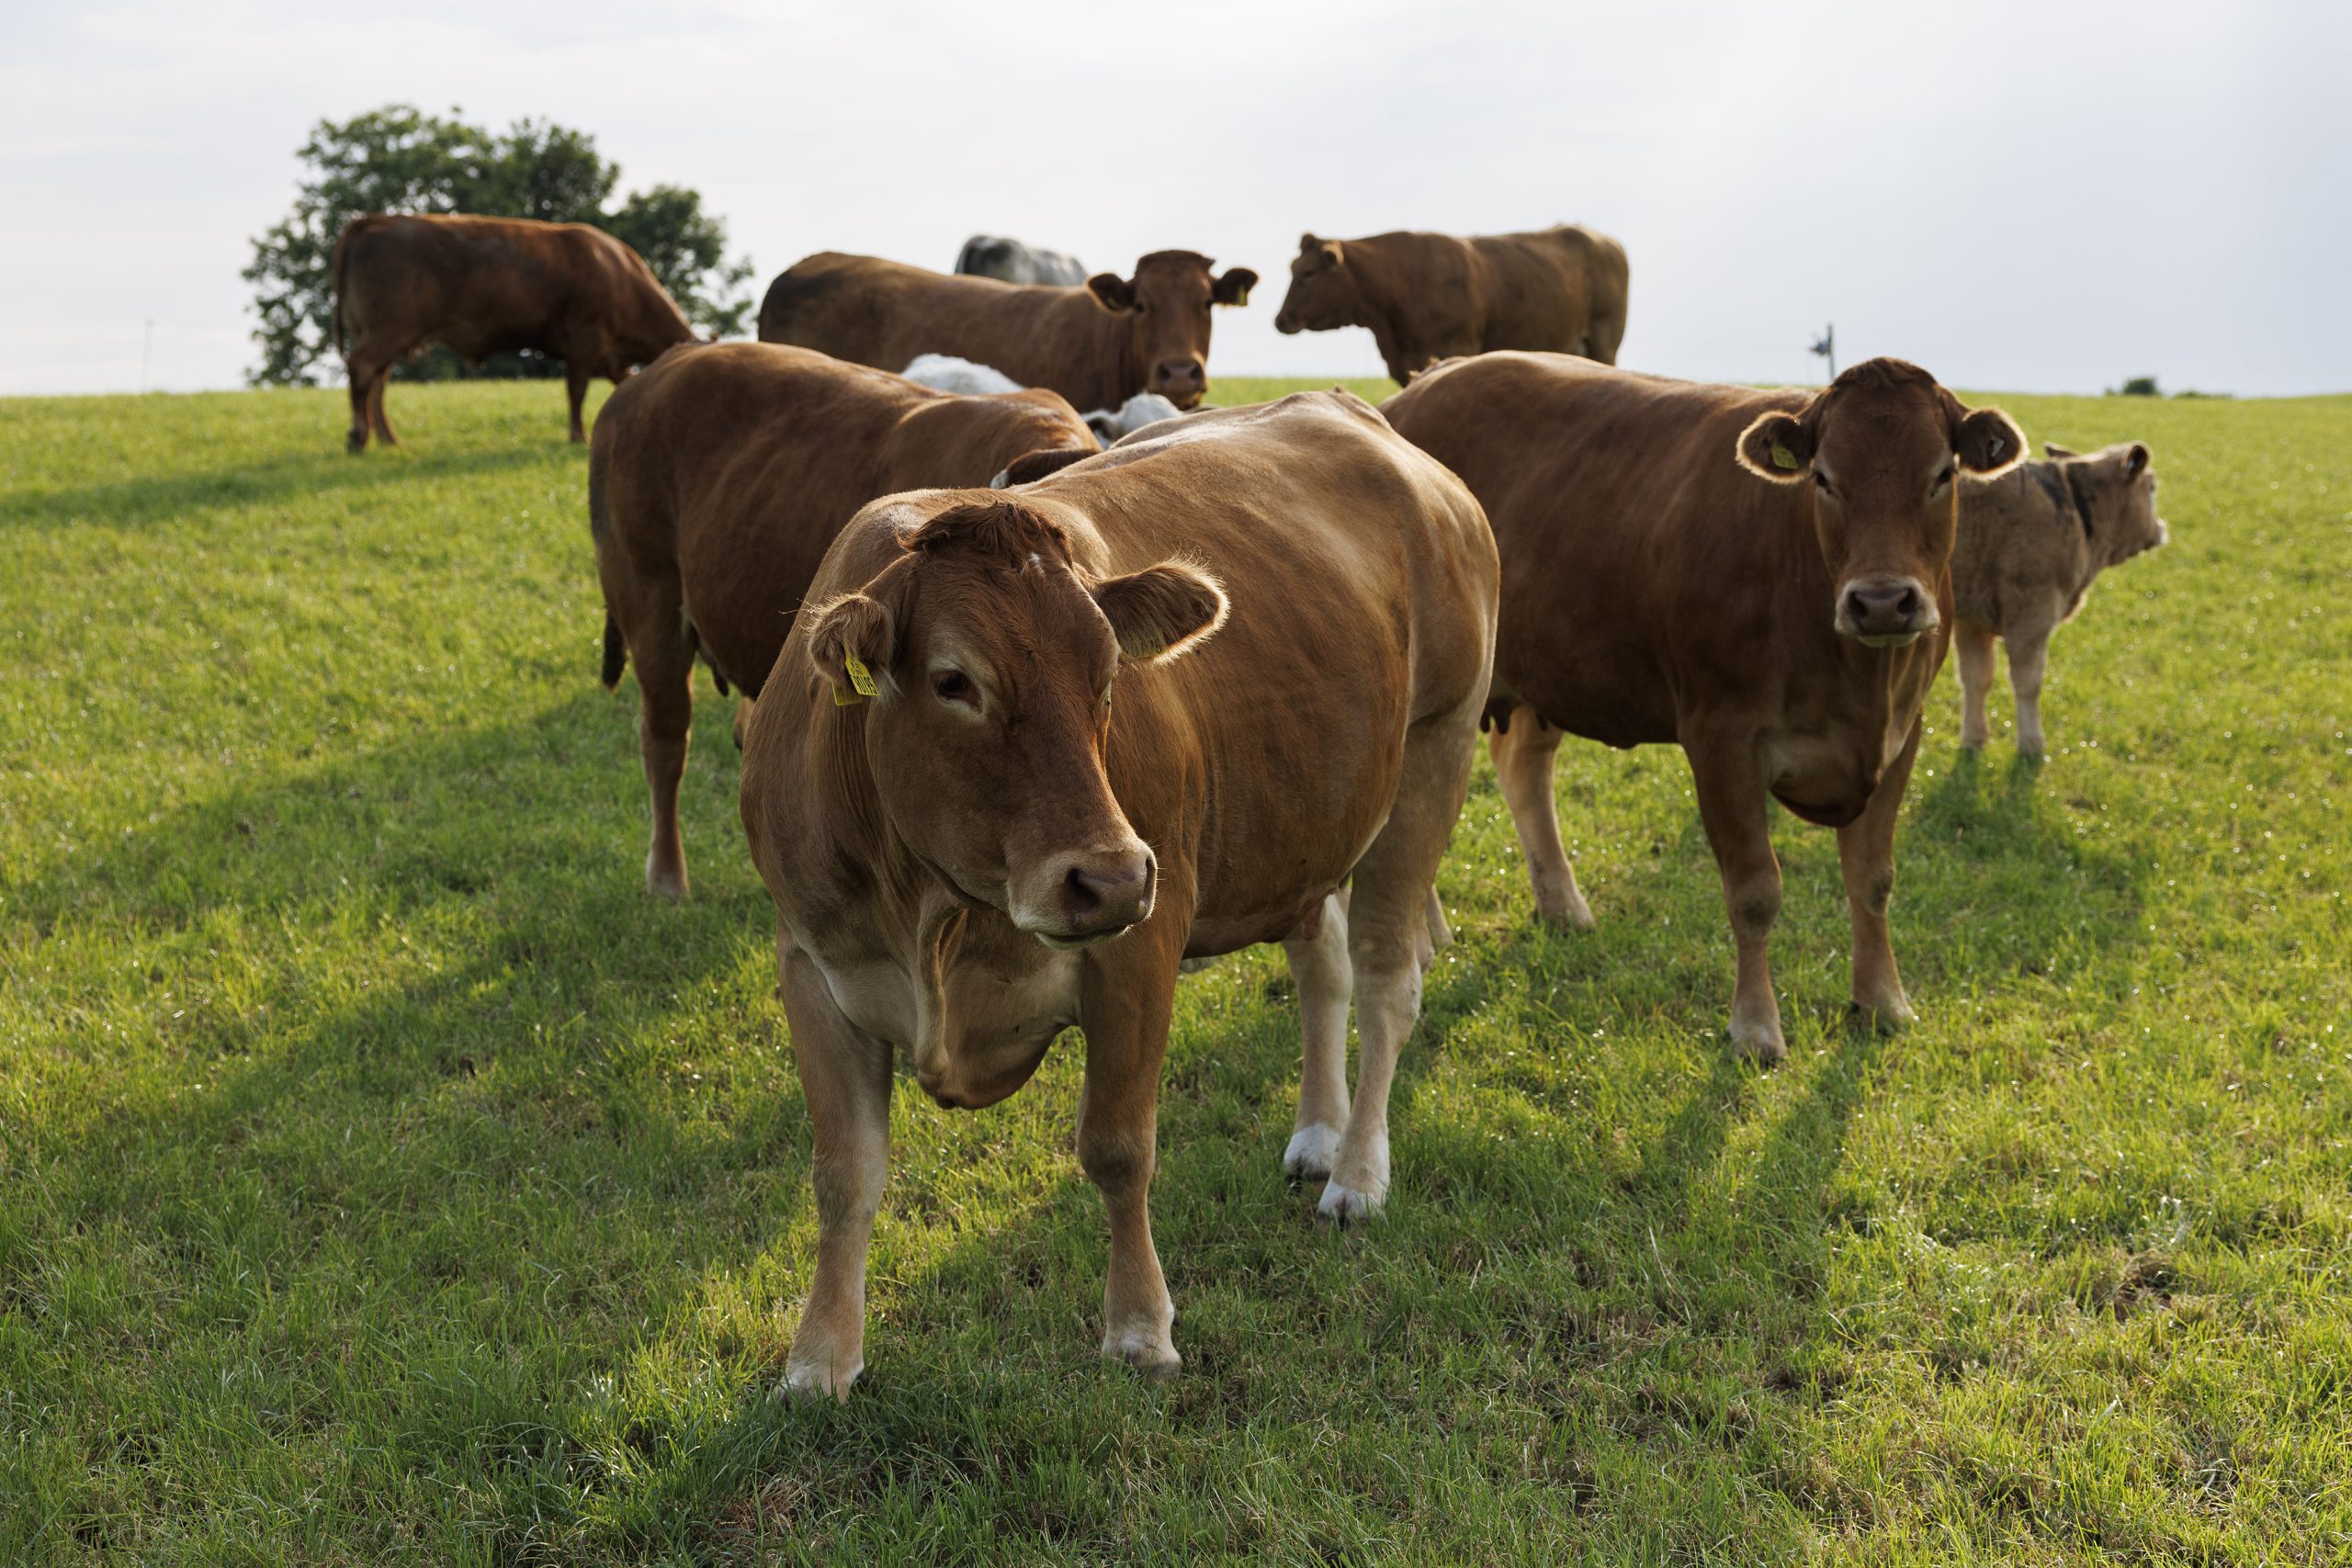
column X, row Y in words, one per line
column 2020, row 196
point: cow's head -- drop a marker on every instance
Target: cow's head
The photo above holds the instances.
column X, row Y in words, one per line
column 1322, row 291
column 2116, row 491
column 1881, row 451
column 988, row 658
column 1166, row 306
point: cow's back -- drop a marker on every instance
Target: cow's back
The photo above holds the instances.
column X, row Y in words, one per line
column 1561, row 289
column 744, row 460
column 1639, row 561
column 1361, row 579
column 885, row 314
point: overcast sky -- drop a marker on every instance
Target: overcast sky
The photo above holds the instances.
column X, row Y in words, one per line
column 2045, row 197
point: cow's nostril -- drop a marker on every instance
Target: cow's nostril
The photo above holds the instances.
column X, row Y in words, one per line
column 1079, row 893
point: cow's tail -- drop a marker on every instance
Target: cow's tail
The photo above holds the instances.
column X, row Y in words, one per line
column 616, row 652
column 600, row 529
column 335, row 278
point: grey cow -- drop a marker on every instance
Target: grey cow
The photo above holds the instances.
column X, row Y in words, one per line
column 2029, row 544
column 1010, row 261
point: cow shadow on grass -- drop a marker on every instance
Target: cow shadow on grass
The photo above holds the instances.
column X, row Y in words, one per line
column 1604, row 1262
column 1646, row 1280
column 283, row 478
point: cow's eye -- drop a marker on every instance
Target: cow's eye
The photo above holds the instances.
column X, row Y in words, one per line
column 953, row 687
column 1943, row 477
column 1821, row 481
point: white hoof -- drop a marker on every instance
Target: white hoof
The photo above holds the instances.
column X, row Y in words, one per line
column 1312, row 1151
column 1345, row 1205
column 1144, row 1348
column 809, row 1380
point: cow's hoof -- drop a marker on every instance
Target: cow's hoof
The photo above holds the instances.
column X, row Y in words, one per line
column 665, row 881
column 1344, row 1205
column 1569, row 914
column 355, row 445
column 1311, row 1153
column 808, row 1380
column 1760, row 1044
column 1144, row 1349
column 1886, row 1018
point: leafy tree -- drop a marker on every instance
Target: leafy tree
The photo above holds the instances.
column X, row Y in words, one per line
column 398, row 159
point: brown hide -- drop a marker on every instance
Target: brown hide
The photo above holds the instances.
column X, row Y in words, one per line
column 1430, row 297
column 1096, row 346
column 485, row 286
column 1762, row 576
column 1050, row 678
column 716, row 480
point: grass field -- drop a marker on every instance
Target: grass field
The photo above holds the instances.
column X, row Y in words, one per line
column 384, row 1178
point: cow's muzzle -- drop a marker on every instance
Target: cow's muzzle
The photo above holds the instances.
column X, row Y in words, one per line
column 1091, row 897
column 1885, row 611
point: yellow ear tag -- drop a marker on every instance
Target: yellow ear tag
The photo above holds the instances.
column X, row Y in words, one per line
column 1242, row 299
column 1785, row 459
column 859, row 676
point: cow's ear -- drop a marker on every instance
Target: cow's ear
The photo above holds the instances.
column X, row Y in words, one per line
column 1308, row 243
column 1333, row 251
column 1775, row 446
column 1031, row 466
column 1989, row 443
column 1162, row 612
column 2054, row 451
column 1233, row 288
column 2136, row 461
column 851, row 641
column 1111, row 291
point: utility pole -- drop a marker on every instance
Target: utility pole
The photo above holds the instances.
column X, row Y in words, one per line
column 1825, row 345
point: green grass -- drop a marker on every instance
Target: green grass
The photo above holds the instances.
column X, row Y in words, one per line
column 383, row 1178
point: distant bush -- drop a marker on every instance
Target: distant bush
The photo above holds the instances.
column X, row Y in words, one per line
column 398, row 160
column 2193, row 392
column 2137, row 387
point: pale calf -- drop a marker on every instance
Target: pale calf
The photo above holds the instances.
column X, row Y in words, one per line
column 2028, row 547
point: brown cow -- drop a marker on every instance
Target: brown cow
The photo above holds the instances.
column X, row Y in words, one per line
column 2030, row 545
column 1095, row 345
column 1762, row 576
column 485, row 286
column 1428, row 297
column 1021, row 756
column 716, row 482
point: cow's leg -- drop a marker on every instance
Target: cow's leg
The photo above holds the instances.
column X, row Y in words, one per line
column 1438, row 935
column 653, row 622
column 1866, row 854
column 356, row 440
column 1123, row 1007
column 2029, row 651
column 376, row 415
column 1974, row 646
column 1318, row 966
column 575, row 388
column 1524, row 754
column 845, row 1079
column 1732, row 808
column 1387, row 924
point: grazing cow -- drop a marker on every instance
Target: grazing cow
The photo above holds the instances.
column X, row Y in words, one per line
column 1022, row 755
column 716, row 480
column 1761, row 577
column 1427, row 297
column 1094, row 345
column 2030, row 545
column 1010, row 261
column 485, row 286
column 1140, row 413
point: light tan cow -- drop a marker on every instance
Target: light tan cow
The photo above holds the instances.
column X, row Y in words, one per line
column 2029, row 544
column 1027, row 751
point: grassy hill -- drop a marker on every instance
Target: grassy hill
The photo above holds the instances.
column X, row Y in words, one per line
column 384, row 1177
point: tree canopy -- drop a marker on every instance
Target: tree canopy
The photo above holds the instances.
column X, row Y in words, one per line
column 398, row 159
